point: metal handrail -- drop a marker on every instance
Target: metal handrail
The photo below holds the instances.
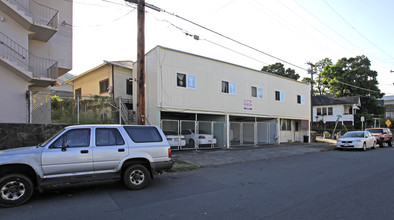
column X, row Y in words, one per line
column 40, row 14
column 40, row 67
column 124, row 111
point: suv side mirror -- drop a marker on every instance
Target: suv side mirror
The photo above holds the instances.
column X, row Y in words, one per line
column 64, row 146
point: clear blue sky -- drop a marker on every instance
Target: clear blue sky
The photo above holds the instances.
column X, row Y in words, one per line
column 296, row 31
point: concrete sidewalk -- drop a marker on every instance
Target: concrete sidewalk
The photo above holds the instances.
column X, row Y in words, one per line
column 186, row 160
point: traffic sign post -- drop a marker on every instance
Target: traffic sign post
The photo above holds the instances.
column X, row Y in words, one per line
column 362, row 122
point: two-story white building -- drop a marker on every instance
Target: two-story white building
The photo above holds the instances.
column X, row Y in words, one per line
column 238, row 105
column 329, row 109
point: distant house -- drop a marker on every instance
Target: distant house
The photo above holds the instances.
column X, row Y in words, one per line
column 388, row 103
column 328, row 108
column 63, row 90
column 111, row 78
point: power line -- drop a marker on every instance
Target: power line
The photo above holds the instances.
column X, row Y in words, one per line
column 196, row 37
column 356, row 29
column 98, row 25
column 351, row 85
column 224, row 36
column 336, row 32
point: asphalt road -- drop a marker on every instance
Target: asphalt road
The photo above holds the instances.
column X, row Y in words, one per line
column 321, row 185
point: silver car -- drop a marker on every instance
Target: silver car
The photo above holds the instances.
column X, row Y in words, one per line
column 84, row 153
column 357, row 140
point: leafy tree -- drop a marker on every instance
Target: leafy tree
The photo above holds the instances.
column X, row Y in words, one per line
column 321, row 85
column 354, row 77
column 279, row 69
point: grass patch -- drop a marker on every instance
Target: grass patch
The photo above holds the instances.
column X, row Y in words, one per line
column 180, row 165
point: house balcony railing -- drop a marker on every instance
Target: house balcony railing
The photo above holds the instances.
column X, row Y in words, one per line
column 39, row 67
column 40, row 14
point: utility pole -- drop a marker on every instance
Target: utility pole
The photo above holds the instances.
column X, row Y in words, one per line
column 311, row 71
column 140, row 60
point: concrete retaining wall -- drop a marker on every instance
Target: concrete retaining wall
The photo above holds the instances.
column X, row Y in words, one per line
column 22, row 135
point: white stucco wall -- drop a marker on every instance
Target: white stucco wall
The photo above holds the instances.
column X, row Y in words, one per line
column 163, row 66
column 13, row 107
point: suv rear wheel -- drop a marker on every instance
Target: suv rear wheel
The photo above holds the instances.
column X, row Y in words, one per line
column 15, row 190
column 136, row 177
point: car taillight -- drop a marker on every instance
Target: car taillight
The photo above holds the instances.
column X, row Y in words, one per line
column 182, row 138
column 201, row 137
column 169, row 152
column 169, row 139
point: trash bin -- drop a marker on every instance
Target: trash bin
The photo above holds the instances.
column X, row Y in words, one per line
column 306, row 138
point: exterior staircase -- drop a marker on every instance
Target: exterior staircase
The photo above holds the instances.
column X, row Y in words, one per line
column 39, row 19
column 20, row 61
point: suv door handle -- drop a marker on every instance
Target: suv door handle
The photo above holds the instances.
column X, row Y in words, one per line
column 84, row 151
column 121, row 150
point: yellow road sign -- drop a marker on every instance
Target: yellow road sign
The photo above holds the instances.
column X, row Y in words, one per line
column 388, row 123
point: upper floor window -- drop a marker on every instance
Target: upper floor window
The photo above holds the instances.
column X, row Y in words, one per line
column 257, row 92
column 187, row 81
column 104, row 84
column 300, row 99
column 254, row 91
column 129, row 86
column 225, row 88
column 229, row 87
column 181, row 79
column 279, row 96
column 78, row 92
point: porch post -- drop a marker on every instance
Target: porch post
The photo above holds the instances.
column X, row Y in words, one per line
column 278, row 131
column 228, row 131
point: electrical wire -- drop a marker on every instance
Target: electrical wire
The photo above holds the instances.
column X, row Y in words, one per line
column 98, row 25
column 333, row 30
column 234, row 51
column 229, row 38
column 356, row 29
column 278, row 18
column 195, row 36
column 317, row 29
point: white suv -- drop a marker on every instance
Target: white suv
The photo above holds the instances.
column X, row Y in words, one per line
column 81, row 153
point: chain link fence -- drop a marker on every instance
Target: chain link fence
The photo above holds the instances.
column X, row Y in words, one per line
column 50, row 107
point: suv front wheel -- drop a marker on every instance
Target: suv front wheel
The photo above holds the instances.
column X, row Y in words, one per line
column 136, row 177
column 15, row 190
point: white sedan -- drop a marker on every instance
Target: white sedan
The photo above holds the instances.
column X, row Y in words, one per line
column 356, row 140
column 195, row 140
column 175, row 140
